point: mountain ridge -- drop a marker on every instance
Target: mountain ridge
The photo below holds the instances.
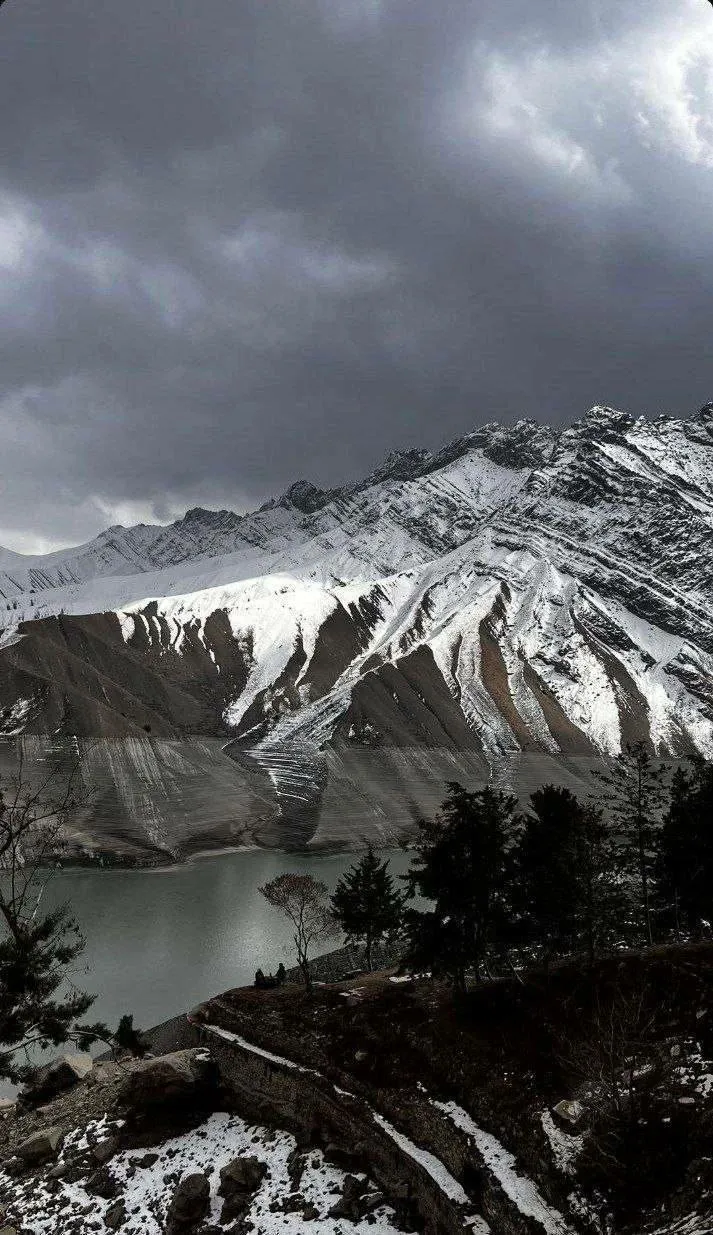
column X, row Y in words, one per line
column 524, row 588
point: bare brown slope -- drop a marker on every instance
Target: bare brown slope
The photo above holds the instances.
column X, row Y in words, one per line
column 408, row 704
column 495, row 675
column 77, row 675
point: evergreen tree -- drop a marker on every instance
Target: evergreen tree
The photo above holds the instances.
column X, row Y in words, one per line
column 684, row 865
column 563, row 864
column 127, row 1038
column 366, row 904
column 462, row 868
column 38, row 1008
column 635, row 796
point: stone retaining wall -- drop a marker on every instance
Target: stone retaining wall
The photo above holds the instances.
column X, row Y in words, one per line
column 318, row 1115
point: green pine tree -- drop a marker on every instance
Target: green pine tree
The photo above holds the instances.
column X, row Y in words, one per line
column 127, row 1038
column 366, row 904
column 684, row 866
column 564, row 864
column 462, row 868
column 38, row 1006
column 634, row 795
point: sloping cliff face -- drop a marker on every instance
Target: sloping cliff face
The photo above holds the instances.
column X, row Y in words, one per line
column 525, row 591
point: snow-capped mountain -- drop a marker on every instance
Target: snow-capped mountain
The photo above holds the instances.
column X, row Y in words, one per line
column 523, row 589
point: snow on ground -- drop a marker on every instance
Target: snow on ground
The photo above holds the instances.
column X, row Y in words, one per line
column 450, row 1186
column 565, row 1146
column 692, row 1224
column 10, row 635
column 14, row 719
column 430, row 1163
column 522, row 1191
column 257, row 1050
column 206, row 1149
column 695, row 1072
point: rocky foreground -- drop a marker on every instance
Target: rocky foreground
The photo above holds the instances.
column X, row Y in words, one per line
column 138, row 1148
column 548, row 1104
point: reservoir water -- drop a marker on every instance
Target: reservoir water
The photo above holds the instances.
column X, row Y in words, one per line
column 160, row 941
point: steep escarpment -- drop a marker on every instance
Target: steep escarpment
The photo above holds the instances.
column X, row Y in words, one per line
column 511, row 1092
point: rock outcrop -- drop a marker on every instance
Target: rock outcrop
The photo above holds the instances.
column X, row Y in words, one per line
column 169, row 1078
column 59, row 1074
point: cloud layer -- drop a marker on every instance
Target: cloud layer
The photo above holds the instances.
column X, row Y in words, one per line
column 241, row 243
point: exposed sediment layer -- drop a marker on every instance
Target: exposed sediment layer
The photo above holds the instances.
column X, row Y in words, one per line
column 155, row 799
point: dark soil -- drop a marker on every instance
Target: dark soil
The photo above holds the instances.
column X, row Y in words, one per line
column 513, row 1047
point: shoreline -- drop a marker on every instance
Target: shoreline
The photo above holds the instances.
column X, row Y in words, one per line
column 166, row 866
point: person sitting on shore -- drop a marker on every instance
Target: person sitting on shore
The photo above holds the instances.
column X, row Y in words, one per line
column 264, row 983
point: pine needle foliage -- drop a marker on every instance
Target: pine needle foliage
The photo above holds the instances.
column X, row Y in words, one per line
column 366, row 904
column 634, row 795
column 462, row 866
column 684, row 865
column 564, row 868
column 39, row 1005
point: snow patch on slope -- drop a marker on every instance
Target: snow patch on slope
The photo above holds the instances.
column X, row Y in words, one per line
column 522, row 1191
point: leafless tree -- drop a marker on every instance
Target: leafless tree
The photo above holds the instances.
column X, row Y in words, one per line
column 303, row 899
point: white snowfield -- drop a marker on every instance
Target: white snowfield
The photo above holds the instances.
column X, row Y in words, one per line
column 206, row 1149
column 561, row 581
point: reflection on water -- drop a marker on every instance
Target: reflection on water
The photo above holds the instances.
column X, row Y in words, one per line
column 158, row 942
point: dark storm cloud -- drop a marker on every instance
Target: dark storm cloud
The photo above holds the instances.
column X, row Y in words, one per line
column 241, row 243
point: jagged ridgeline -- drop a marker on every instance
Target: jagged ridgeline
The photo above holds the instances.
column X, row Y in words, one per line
column 522, row 602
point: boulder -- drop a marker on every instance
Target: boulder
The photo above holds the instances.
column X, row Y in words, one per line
column 115, row 1215
column 350, row 1204
column 189, row 1204
column 568, row 1111
column 56, row 1076
column 146, row 1160
column 8, row 1106
column 104, row 1150
column 296, row 1164
column 102, row 1183
column 153, row 1082
column 238, row 1181
column 41, row 1146
column 103, row 1073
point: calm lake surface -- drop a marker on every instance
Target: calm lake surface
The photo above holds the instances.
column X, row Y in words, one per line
column 159, row 942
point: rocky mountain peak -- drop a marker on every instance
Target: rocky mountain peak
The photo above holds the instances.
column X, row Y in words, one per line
column 526, row 444
column 602, row 422
column 304, row 496
column 202, row 517
column 528, row 587
column 704, row 415
column 401, row 465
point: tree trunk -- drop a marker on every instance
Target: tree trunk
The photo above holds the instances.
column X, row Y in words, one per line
column 644, row 882
column 303, row 963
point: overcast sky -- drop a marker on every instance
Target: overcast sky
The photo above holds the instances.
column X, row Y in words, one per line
column 245, row 241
